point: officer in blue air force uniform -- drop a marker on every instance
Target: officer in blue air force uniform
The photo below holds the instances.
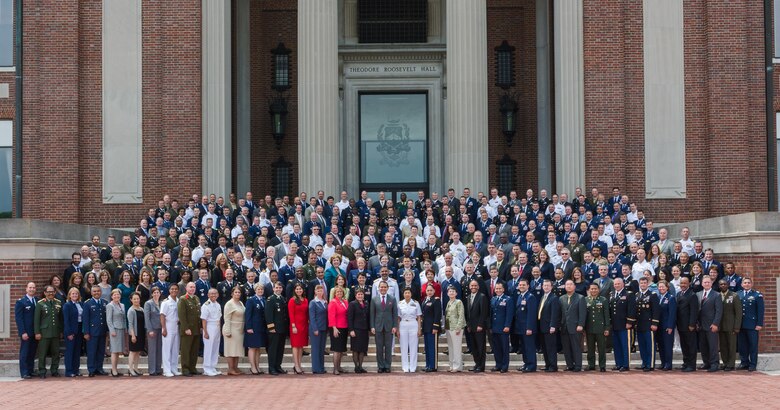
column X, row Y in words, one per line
column 647, row 319
column 526, row 316
column 501, row 314
column 752, row 323
column 24, row 314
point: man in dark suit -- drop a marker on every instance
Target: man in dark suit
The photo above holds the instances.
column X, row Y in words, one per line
column 567, row 265
column 477, row 312
column 384, row 318
column 548, row 316
column 729, row 325
column 710, row 315
column 574, row 311
column 687, row 316
column 24, row 314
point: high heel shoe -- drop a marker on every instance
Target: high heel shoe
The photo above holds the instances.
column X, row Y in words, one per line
column 297, row 372
column 115, row 374
column 336, row 372
column 253, row 372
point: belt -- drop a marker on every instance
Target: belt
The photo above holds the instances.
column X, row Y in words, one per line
column 408, row 320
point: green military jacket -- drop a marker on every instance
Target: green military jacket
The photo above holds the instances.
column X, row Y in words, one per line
column 189, row 314
column 48, row 318
column 598, row 315
column 731, row 320
column 310, row 272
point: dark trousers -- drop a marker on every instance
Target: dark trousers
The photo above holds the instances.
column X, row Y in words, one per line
column 646, row 348
column 477, row 348
column 728, row 348
column 96, row 353
column 49, row 346
column 572, row 350
column 529, row 351
column 189, row 346
column 318, row 350
column 708, row 346
column 665, row 346
column 688, row 347
column 468, row 340
column 515, row 344
column 550, row 350
column 500, row 342
column 748, row 348
column 73, row 354
column 597, row 341
column 384, row 349
column 431, row 340
column 27, row 351
column 275, row 351
column 621, row 347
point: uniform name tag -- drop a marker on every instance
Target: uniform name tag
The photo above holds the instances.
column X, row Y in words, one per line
column 503, row 303
column 523, row 302
column 622, row 298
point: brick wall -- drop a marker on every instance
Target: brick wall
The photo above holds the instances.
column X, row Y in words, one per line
column 515, row 22
column 725, row 145
column 18, row 274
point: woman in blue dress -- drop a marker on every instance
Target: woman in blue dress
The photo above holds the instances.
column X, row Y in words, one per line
column 256, row 332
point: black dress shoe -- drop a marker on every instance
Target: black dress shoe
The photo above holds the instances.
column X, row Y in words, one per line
column 187, row 374
column 728, row 369
column 504, row 370
column 305, row 353
column 550, row 370
column 576, row 370
column 703, row 367
column 615, row 369
column 480, row 370
column 591, row 368
column 603, row 370
column 648, row 369
column 434, row 370
column 468, row 351
column 495, row 369
column 26, row 376
column 91, row 375
column 751, row 369
column 42, row 375
column 688, row 369
column 275, row 373
column 624, row 369
column 281, row 371
column 743, row 367
column 529, row 370
column 713, row 369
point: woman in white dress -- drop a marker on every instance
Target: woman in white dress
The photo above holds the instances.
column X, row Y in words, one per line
column 409, row 314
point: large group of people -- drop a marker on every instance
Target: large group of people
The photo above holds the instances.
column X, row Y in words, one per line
column 525, row 275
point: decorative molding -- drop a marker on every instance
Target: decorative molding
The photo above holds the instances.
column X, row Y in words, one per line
column 664, row 99
column 122, row 163
column 5, row 311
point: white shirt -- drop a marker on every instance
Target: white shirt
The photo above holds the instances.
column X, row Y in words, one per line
column 409, row 311
column 315, row 240
column 606, row 239
column 342, row 205
column 169, row 309
column 211, row 311
column 457, row 274
column 494, row 202
column 552, row 249
column 213, row 220
column 418, row 240
column 639, row 268
column 328, row 251
column 458, row 251
column 687, row 246
column 431, row 229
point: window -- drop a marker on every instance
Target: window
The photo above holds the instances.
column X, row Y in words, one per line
column 281, row 181
column 6, row 168
column 6, row 33
column 281, row 67
column 506, row 174
column 392, row 21
column 505, row 65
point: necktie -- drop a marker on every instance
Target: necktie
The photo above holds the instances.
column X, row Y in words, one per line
column 541, row 306
column 705, row 296
column 383, row 302
column 492, row 286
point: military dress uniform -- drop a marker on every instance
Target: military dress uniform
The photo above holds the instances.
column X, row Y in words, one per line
column 647, row 315
column 189, row 319
column 596, row 325
column 431, row 320
column 752, row 317
column 667, row 306
column 48, row 324
column 24, row 315
column 623, row 307
column 501, row 314
column 202, row 288
column 278, row 321
column 730, row 324
column 526, row 318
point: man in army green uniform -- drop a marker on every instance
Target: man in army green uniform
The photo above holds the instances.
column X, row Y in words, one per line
column 310, row 268
column 597, row 327
column 48, row 329
column 730, row 323
column 189, row 330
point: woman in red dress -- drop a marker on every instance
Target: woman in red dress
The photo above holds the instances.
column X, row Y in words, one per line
column 298, row 307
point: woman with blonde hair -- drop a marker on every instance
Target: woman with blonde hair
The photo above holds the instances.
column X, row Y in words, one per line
column 116, row 320
column 136, row 327
column 233, row 331
column 454, row 322
column 72, row 330
column 337, row 322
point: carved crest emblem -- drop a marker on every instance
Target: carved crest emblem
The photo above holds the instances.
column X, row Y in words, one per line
column 393, row 145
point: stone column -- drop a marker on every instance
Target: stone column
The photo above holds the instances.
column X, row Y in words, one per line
column 543, row 120
column 216, row 98
column 243, row 100
column 569, row 96
column 319, row 159
column 466, row 130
